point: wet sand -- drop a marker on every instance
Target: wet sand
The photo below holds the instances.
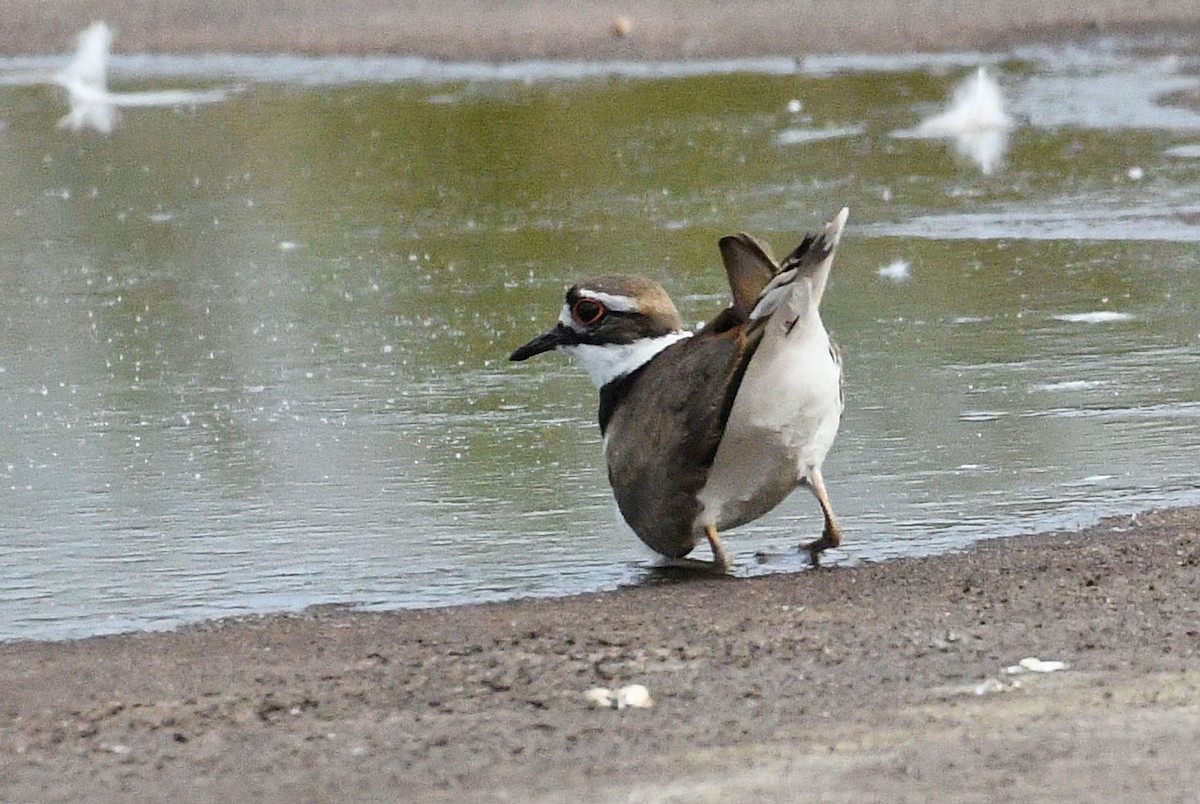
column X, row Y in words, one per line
column 878, row 682
column 520, row 29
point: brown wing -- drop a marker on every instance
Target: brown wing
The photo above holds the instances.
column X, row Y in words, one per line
column 659, row 461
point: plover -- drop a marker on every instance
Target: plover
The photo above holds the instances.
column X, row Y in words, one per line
column 704, row 432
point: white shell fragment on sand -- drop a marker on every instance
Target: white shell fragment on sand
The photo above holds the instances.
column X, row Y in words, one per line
column 989, row 686
column 600, row 698
column 1032, row 664
column 634, row 696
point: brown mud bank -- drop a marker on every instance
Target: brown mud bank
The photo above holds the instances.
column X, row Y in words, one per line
column 878, row 682
column 519, row 29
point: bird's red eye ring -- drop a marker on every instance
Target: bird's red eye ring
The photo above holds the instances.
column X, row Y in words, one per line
column 588, row 311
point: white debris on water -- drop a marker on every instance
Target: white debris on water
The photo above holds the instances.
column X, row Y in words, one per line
column 897, row 271
column 798, row 136
column 974, row 121
column 1097, row 317
column 1188, row 151
column 86, row 81
column 1066, row 385
column 975, row 105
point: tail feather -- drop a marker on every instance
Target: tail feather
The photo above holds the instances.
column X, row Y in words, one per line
column 811, row 260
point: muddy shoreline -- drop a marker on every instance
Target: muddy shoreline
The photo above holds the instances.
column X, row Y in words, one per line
column 460, row 30
column 879, row 682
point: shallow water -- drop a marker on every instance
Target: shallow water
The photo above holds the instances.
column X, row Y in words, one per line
column 254, row 352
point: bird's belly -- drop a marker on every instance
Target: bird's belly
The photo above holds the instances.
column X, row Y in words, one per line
column 782, row 424
column 751, row 474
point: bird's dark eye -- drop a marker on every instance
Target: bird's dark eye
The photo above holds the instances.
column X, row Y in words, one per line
column 588, row 311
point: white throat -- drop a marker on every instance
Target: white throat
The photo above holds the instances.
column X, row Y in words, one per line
column 607, row 362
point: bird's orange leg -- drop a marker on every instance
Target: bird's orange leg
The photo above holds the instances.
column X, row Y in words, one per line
column 831, row 536
column 720, row 557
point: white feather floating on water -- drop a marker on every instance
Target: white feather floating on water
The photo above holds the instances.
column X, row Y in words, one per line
column 974, row 121
column 897, row 271
column 976, row 105
column 90, row 65
column 86, row 81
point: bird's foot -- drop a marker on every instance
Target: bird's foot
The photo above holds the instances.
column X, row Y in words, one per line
column 818, row 546
column 696, row 565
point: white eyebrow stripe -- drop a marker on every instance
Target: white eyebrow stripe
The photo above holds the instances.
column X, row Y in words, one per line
column 620, row 304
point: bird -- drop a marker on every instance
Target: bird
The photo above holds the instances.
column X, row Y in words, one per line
column 706, row 431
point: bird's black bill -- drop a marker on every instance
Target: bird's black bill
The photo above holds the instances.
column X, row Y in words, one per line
column 546, row 342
